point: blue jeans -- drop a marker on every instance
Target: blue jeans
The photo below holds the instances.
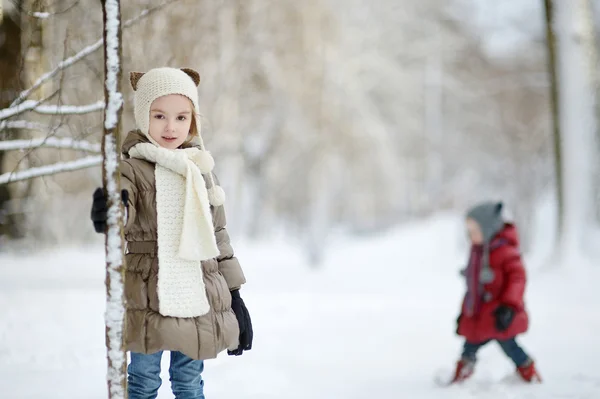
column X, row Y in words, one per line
column 510, row 347
column 143, row 376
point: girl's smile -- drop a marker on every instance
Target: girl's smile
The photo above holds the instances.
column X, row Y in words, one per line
column 171, row 118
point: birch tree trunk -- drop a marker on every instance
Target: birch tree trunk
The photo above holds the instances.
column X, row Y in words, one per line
column 590, row 43
column 115, row 309
column 576, row 120
column 555, row 110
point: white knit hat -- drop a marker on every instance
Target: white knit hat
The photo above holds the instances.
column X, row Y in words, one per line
column 158, row 82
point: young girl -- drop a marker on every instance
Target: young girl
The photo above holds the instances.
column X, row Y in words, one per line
column 182, row 279
column 493, row 307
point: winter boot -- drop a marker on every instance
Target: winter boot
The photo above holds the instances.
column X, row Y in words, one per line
column 464, row 369
column 528, row 372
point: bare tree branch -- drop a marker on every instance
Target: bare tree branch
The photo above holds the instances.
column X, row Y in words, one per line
column 53, row 169
column 35, row 106
column 69, row 109
column 50, row 142
column 21, row 108
column 83, row 53
column 26, row 125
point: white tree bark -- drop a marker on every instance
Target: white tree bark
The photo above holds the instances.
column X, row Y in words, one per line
column 115, row 271
column 576, row 124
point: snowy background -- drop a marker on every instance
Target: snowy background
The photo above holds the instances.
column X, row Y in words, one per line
column 377, row 321
column 350, row 136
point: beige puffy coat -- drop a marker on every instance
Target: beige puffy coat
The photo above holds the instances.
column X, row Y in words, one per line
column 147, row 331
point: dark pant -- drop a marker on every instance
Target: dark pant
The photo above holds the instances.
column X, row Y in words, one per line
column 144, row 376
column 510, row 347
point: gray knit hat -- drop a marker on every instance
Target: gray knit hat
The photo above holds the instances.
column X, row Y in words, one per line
column 488, row 216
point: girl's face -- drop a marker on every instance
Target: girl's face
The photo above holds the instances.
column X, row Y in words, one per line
column 170, row 120
column 475, row 234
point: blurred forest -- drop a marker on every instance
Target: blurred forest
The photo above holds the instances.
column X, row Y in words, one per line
column 322, row 115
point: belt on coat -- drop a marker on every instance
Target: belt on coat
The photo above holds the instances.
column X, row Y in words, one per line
column 142, row 247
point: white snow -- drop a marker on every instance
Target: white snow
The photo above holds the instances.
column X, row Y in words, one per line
column 52, row 169
column 50, row 142
column 26, row 125
column 41, row 15
column 69, row 109
column 377, row 321
column 113, row 64
column 31, row 105
column 18, row 109
column 115, row 312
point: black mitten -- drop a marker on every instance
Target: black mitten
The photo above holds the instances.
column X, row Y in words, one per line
column 245, row 323
column 504, row 317
column 458, row 322
column 100, row 208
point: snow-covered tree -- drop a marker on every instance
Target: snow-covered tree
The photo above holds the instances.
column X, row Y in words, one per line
column 115, row 270
column 572, row 43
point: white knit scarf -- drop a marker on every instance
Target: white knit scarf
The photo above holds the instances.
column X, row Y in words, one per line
column 184, row 238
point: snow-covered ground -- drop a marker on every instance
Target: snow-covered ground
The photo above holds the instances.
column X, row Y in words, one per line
column 376, row 321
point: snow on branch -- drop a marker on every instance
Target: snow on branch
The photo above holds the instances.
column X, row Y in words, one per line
column 53, row 169
column 40, row 15
column 19, row 109
column 114, row 100
column 50, row 142
column 35, row 106
column 66, row 63
column 27, row 125
column 69, row 109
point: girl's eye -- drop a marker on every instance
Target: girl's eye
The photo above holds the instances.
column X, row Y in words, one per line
column 181, row 118
column 158, row 116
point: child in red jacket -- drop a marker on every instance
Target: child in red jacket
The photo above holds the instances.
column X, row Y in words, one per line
column 493, row 307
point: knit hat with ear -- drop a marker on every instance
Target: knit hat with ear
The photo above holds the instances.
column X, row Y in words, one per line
column 158, row 82
column 488, row 216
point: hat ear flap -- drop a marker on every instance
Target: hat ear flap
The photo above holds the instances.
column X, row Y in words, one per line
column 192, row 74
column 134, row 78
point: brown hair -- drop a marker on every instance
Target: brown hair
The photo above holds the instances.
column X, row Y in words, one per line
column 193, row 129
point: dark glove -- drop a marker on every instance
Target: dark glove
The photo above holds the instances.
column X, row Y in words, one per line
column 100, row 208
column 458, row 322
column 245, row 323
column 504, row 317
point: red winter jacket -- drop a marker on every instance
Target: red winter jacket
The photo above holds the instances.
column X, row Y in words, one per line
column 507, row 288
